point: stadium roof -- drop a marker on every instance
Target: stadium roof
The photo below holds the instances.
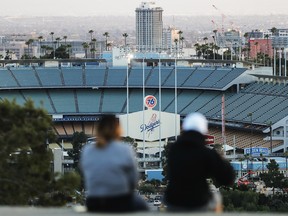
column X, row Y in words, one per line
column 93, row 91
column 213, row 78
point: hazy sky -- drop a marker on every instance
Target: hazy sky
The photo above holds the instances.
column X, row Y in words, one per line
column 127, row 7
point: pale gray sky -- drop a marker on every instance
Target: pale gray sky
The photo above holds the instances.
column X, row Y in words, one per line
column 127, row 7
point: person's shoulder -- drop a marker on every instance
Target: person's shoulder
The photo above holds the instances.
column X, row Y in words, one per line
column 88, row 146
column 122, row 145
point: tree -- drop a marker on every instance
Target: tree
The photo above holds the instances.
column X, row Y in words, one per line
column 78, row 140
column 52, row 42
column 69, row 49
column 52, row 35
column 65, row 39
column 58, row 39
column 267, row 47
column 106, row 34
column 85, row 46
column 91, row 34
column 61, row 52
column 164, row 158
column 40, row 38
column 93, row 50
column 125, row 35
column 256, row 44
column 274, row 178
column 181, row 39
column 274, row 30
column 198, row 50
column 146, row 189
column 130, row 141
column 176, row 46
column 25, row 160
column 180, row 33
column 28, row 43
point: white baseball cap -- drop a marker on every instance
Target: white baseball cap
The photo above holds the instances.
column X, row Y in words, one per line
column 195, row 122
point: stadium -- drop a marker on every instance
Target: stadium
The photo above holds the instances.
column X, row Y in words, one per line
column 76, row 95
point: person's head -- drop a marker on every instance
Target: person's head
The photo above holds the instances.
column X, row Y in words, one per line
column 195, row 122
column 107, row 130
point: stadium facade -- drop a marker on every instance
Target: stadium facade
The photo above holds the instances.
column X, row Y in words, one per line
column 256, row 112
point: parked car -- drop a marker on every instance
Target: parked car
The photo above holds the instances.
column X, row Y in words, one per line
column 157, row 202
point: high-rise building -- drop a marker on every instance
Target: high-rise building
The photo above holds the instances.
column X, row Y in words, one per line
column 168, row 40
column 149, row 27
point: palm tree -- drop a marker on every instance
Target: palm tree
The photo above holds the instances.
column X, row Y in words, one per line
column 125, row 35
column 274, row 30
column 106, row 34
column 52, row 42
column 205, row 40
column 256, row 44
column 69, row 46
column 91, row 34
column 65, row 39
column 109, row 45
column 85, row 46
column 180, row 33
column 215, row 34
column 93, row 41
column 58, row 39
column 44, row 48
column 267, row 46
column 52, row 35
column 40, row 38
column 181, row 39
column 176, row 46
column 198, row 50
column 92, row 51
column 28, row 43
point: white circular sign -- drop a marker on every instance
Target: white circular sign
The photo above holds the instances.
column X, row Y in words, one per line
column 150, row 101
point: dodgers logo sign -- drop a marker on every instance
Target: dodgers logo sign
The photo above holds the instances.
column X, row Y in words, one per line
column 150, row 101
column 152, row 124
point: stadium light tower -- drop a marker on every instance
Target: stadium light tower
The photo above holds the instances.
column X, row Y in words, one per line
column 160, row 106
column 143, row 95
column 270, row 128
column 251, row 121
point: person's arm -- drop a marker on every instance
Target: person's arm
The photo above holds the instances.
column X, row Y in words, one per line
column 221, row 170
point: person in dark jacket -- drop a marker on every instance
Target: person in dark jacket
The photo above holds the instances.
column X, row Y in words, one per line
column 190, row 163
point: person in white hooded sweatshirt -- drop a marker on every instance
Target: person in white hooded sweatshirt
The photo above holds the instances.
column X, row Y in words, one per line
column 189, row 166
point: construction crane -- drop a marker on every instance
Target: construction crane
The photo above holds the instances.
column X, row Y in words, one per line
column 224, row 17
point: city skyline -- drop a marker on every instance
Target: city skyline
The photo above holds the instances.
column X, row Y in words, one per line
column 127, row 7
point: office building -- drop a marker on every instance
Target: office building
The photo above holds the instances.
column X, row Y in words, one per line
column 149, row 27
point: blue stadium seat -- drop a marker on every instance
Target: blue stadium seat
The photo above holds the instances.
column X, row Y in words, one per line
column 136, row 76
column 229, row 77
column 40, row 99
column 6, row 79
column 116, row 77
column 135, row 101
column 95, row 77
column 49, row 76
column 88, row 100
column 13, row 95
column 198, row 77
column 113, row 101
column 26, row 77
column 73, row 76
column 63, row 100
column 167, row 76
column 214, row 78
